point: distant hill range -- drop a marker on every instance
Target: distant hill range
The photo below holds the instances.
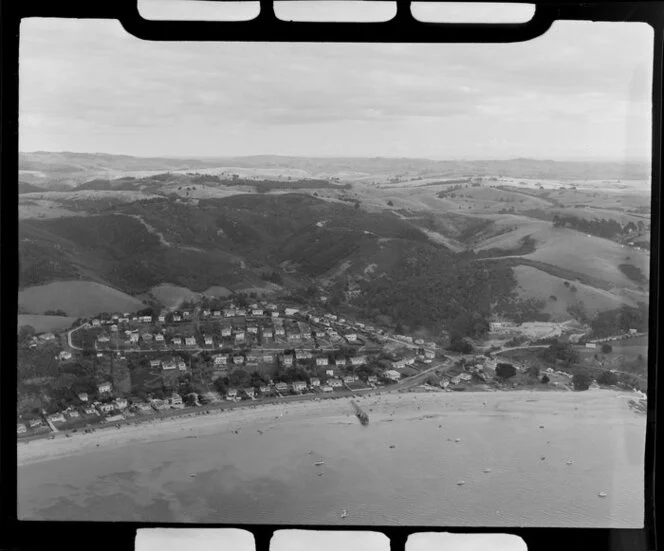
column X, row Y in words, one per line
column 64, row 170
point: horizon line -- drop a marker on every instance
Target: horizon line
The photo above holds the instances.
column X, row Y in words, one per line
column 358, row 157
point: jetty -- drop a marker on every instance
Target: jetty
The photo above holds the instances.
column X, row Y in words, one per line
column 360, row 413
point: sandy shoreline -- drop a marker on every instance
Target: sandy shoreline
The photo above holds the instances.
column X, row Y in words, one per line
column 198, row 423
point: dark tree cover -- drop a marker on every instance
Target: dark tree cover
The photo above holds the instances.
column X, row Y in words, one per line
column 545, row 379
column 25, row 333
column 505, row 370
column 55, row 313
column 607, row 378
column 292, row 374
column 609, row 229
column 620, row 320
column 533, row 371
column 581, row 380
column 220, row 385
column 459, row 344
column 428, row 287
column 633, row 273
column 607, row 348
column 560, row 351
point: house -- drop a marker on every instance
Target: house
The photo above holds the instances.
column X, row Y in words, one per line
column 120, row 403
column 351, row 336
column 34, row 423
column 220, row 359
column 229, row 312
column 182, row 366
column 633, row 331
column 147, row 337
column 176, row 400
column 226, row 331
column 83, row 396
column 72, row 414
column 21, row 428
column 294, row 336
column 143, row 407
column 281, row 387
column 159, row 337
column 275, row 314
column 315, row 381
column 57, row 418
column 257, row 311
column 288, row 360
column 329, row 372
column 177, row 341
column 209, row 341
column 106, row 408
column 430, row 354
column 302, row 355
column 252, row 359
column 186, row 314
column 326, row 388
column 162, row 318
column 239, row 336
column 104, row 388
column 591, row 345
column 169, row 364
column 177, row 317
column 465, row 376
column 358, row 360
column 268, row 358
column 155, row 363
column 349, row 379
column 231, row 394
column 299, row 386
column 252, row 329
column 267, row 334
column 372, row 379
column 279, row 331
column 64, row 355
column 392, row 374
column 104, row 338
column 146, row 319
column 238, row 360
column 114, row 328
column 264, row 389
column 250, row 392
column 96, row 323
column 291, row 311
column 335, row 383
column 241, row 312
column 322, row 362
column 190, row 341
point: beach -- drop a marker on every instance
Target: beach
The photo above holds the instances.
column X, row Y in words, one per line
column 525, row 458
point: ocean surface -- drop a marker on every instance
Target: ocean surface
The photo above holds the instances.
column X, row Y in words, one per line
column 402, row 469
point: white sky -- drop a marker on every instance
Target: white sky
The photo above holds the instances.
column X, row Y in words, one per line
column 311, row 540
column 198, row 539
column 443, row 541
column 580, row 91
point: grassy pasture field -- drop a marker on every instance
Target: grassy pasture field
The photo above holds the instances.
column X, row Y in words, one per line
column 45, row 324
column 171, row 296
column 76, row 298
column 534, row 283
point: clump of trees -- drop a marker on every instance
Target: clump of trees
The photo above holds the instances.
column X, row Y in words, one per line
column 558, row 351
column 608, row 229
column 581, row 380
column 607, row 378
column 607, row 348
column 505, row 370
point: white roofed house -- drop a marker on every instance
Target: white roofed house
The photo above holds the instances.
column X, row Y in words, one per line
column 264, row 389
column 161, row 318
column 358, row 360
column 281, row 387
column 372, row 379
column 321, row 362
column 267, row 333
column 96, row 323
column 207, row 313
column 72, row 414
column 268, row 358
column 120, row 403
column 250, row 392
column 288, row 360
column 208, row 341
column 238, row 360
column 177, row 341
column 291, row 311
column 299, row 386
column 252, row 359
column 133, row 337
column 252, row 329
column 329, row 372
column 326, row 388
column 146, row 337
column 303, row 355
column 176, row 400
column 83, row 396
column 239, row 336
column 275, row 314
column 64, row 355
column 241, row 312
column 350, row 379
column 315, row 381
column 335, row 383
column 186, row 314
column 392, row 374
column 114, row 328
column 57, row 418
column 231, row 394
column 220, row 359
column 229, row 312
column 106, row 408
column 21, row 428
column 104, row 388
column 190, row 341
column 103, row 338
column 146, row 319
column 159, row 338
column 226, row 331
column 177, row 317
column 169, row 364
column 279, row 331
column 155, row 363
column 257, row 312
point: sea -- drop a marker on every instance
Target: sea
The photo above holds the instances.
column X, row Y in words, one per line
column 533, row 459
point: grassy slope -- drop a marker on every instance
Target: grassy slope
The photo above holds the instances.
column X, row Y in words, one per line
column 77, row 298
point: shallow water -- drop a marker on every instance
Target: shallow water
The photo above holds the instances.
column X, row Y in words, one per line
column 271, row 477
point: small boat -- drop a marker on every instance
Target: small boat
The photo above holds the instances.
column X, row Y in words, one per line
column 569, row 462
column 602, row 494
column 457, row 439
column 320, row 474
column 344, row 513
column 461, row 482
column 487, row 470
column 193, row 475
column 392, row 446
column 318, row 463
